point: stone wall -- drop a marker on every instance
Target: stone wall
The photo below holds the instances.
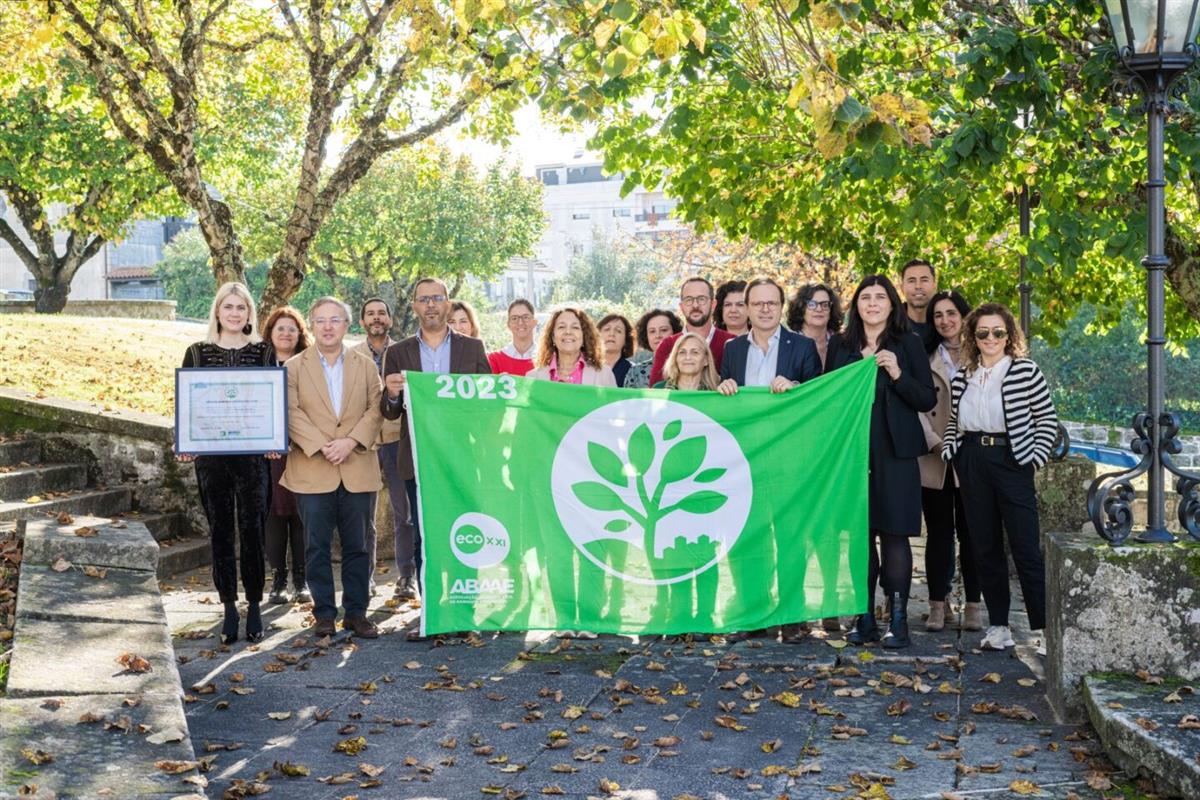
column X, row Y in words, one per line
column 130, row 309
column 1121, row 437
column 120, row 448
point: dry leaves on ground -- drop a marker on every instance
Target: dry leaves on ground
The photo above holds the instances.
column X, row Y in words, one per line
column 134, row 663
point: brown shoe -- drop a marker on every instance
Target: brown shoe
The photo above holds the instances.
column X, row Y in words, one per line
column 832, row 624
column 972, row 618
column 793, row 632
column 936, row 620
column 361, row 627
column 324, row 627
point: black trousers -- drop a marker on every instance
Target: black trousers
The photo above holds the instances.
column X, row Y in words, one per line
column 235, row 492
column 945, row 521
column 346, row 513
column 410, row 488
column 284, row 533
column 1000, row 499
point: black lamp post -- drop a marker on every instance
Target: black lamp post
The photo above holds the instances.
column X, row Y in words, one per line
column 1156, row 43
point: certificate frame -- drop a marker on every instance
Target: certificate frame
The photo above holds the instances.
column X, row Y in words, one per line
column 256, row 395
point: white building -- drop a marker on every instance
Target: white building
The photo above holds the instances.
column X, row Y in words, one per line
column 120, row 271
column 581, row 204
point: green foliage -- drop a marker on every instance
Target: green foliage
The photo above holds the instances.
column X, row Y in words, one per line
column 1097, row 373
column 875, row 132
column 608, row 274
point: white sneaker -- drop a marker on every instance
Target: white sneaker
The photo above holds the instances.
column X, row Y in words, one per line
column 584, row 635
column 997, row 637
column 1041, row 648
column 564, row 634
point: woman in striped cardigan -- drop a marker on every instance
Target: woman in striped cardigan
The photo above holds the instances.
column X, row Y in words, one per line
column 1001, row 428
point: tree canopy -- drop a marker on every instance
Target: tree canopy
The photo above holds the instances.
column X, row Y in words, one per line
column 872, row 133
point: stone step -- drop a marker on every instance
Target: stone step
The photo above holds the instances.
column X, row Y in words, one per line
column 91, row 502
column 176, row 556
column 18, row 451
column 18, row 483
column 171, row 525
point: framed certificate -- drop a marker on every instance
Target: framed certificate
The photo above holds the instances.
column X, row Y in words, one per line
column 228, row 412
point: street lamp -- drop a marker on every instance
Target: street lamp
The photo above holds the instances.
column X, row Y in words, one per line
column 1156, row 43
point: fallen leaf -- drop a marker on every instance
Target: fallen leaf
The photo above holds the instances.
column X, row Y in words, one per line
column 726, row 721
column 899, row 708
column 60, row 565
column 134, row 663
column 176, row 767
column 370, row 770
column 771, row 746
column 789, row 699
column 609, row 787
column 291, row 770
column 1027, row 682
column 94, row 572
column 1024, row 787
column 36, row 757
column 1147, row 724
column 279, row 715
column 352, row 746
column 163, row 737
column 991, row 677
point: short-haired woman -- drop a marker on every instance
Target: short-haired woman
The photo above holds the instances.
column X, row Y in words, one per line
column 941, row 500
column 616, row 339
column 1001, row 428
column 816, row 312
column 690, row 366
column 288, row 335
column 463, row 318
column 570, row 351
column 877, row 328
column 652, row 327
column 234, row 490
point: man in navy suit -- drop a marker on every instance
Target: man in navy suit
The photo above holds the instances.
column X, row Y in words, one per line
column 770, row 355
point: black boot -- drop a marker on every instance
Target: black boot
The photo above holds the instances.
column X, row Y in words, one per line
column 864, row 629
column 254, row 623
column 278, row 588
column 229, row 630
column 897, row 635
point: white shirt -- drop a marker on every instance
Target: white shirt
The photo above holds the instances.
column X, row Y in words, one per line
column 981, row 408
column 333, row 380
column 511, row 351
column 761, row 368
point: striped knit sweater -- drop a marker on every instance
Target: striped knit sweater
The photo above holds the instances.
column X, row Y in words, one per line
column 1029, row 417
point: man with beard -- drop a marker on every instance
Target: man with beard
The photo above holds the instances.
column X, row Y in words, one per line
column 375, row 316
column 435, row 348
column 696, row 308
column 919, row 282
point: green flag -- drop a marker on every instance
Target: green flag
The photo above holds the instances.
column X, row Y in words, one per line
column 548, row 505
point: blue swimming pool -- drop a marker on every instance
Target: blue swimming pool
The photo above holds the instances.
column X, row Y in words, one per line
column 1104, row 454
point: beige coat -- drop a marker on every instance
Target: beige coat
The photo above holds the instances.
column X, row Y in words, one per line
column 591, row 376
column 933, row 423
column 390, row 432
column 311, row 425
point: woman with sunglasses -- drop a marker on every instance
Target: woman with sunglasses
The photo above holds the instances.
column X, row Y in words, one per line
column 1001, row 428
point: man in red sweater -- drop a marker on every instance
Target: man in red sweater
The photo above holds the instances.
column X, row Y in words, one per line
column 696, row 308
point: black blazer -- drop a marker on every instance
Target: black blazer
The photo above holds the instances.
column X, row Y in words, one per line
column 798, row 360
column 913, row 391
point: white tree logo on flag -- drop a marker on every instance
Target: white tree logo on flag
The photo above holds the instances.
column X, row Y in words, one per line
column 651, row 491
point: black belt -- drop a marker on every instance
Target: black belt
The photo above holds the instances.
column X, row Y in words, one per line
column 986, row 439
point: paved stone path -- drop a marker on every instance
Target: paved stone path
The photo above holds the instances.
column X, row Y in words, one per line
column 514, row 715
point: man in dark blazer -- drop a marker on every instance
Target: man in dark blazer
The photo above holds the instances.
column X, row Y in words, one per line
column 435, row 348
column 769, row 355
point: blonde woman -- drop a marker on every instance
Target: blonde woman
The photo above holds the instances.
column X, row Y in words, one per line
column 689, row 366
column 234, row 490
column 463, row 318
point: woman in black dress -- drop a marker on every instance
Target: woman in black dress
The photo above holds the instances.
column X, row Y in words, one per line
column 234, row 490
column 877, row 327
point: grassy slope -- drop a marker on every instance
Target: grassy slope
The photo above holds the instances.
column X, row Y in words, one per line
column 115, row 363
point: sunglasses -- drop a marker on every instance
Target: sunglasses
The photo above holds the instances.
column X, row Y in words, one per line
column 999, row 334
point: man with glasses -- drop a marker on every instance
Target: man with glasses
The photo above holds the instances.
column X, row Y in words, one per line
column 375, row 317
column 770, row 355
column 919, row 282
column 516, row 357
column 696, row 308
column 333, row 421
column 435, row 348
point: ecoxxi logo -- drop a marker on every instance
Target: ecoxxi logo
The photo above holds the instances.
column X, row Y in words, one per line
column 479, row 541
column 651, row 491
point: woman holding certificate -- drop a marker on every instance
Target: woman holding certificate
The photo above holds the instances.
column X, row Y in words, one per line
column 234, row 489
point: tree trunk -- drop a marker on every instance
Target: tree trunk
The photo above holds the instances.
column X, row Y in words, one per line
column 1184, row 271
column 50, row 297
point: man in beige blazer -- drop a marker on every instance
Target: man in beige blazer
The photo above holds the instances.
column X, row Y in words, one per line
column 435, row 348
column 333, row 423
column 375, row 316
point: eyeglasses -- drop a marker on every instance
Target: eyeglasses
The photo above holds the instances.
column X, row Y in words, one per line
column 328, row 321
column 429, row 299
column 814, row 305
column 999, row 334
column 521, row 318
column 697, row 300
column 759, row 305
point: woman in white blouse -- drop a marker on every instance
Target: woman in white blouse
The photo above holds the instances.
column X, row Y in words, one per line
column 1001, row 427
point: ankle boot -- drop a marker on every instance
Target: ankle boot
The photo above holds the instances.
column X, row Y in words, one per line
column 972, row 618
column 300, row 585
column 254, row 623
column 864, row 629
column 278, row 587
column 229, row 629
column 937, row 615
column 897, row 634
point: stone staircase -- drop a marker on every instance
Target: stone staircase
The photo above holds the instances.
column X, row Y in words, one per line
column 31, row 489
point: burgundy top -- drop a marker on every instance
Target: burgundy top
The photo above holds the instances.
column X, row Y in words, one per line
column 283, row 502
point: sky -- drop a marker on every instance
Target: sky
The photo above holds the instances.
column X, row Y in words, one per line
column 535, row 143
